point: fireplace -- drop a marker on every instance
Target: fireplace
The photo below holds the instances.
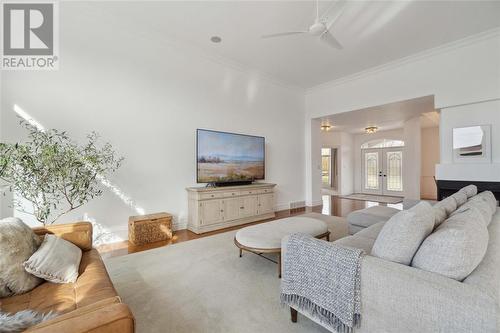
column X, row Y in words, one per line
column 446, row 188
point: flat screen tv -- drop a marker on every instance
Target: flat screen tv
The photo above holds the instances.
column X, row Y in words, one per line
column 229, row 158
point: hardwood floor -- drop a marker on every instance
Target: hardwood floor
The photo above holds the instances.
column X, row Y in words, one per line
column 332, row 205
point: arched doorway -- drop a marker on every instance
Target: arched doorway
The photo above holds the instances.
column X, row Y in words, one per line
column 382, row 167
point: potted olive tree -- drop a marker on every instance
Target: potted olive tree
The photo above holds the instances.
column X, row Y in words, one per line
column 54, row 174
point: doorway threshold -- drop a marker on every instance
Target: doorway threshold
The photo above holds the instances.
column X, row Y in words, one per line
column 373, row 197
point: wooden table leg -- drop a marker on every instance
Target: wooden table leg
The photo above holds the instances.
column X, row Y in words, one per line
column 241, row 252
column 279, row 265
column 293, row 312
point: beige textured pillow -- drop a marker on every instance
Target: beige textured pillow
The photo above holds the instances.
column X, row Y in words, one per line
column 490, row 200
column 401, row 236
column 460, row 197
column 469, row 190
column 456, row 247
column 57, row 260
column 443, row 209
column 482, row 208
column 17, row 243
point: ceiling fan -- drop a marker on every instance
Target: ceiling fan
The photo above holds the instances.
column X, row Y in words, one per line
column 319, row 29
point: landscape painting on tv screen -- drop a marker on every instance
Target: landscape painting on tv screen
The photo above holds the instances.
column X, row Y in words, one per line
column 228, row 157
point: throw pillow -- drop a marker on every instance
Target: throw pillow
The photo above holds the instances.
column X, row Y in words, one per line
column 57, row 260
column 482, row 207
column 17, row 243
column 448, row 205
column 460, row 197
column 490, row 199
column 402, row 235
column 469, row 190
column 456, row 247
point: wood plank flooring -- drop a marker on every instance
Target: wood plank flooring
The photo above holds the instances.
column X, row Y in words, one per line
column 332, row 205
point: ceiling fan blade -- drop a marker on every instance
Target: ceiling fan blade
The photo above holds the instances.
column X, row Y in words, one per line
column 284, row 34
column 337, row 16
column 328, row 38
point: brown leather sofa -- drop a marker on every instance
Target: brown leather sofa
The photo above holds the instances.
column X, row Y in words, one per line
column 91, row 304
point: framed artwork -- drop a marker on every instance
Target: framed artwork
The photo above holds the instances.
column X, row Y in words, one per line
column 472, row 144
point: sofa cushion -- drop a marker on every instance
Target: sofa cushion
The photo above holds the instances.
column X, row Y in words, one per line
column 456, row 247
column 358, row 242
column 92, row 285
column 17, row 243
column 371, row 215
column 372, row 231
column 469, row 190
column 56, row 260
column 400, row 237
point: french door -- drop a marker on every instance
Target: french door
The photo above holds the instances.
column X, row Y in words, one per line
column 382, row 171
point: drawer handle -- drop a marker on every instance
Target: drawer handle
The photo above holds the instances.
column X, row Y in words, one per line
column 212, row 195
column 242, row 207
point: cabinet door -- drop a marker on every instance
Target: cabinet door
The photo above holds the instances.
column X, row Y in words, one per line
column 249, row 206
column 211, row 212
column 232, row 208
column 266, row 203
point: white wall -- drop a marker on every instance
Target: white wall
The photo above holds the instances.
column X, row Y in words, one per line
column 313, row 170
column 147, row 98
column 485, row 113
column 464, row 72
column 430, row 157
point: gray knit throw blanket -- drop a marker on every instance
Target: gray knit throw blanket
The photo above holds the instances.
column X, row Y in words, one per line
column 323, row 280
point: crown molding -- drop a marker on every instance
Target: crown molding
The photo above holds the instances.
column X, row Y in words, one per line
column 485, row 35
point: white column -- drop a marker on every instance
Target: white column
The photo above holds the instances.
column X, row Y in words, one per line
column 412, row 158
column 313, row 162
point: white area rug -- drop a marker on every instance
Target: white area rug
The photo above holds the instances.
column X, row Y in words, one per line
column 203, row 286
column 372, row 197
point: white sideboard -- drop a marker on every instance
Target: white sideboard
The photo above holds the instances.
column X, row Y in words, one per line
column 212, row 208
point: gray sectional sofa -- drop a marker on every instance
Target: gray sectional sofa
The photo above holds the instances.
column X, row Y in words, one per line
column 461, row 294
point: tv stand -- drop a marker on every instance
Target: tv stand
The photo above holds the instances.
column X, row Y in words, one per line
column 213, row 208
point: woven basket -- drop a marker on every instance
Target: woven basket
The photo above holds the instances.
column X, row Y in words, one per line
column 145, row 229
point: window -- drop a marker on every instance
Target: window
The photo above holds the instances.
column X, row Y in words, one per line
column 326, row 160
column 382, row 143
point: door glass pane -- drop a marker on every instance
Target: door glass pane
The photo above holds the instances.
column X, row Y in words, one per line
column 394, row 171
column 371, row 171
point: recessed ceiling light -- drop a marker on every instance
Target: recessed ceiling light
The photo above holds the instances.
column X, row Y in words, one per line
column 216, row 39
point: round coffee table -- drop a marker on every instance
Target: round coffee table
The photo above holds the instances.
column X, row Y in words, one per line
column 266, row 237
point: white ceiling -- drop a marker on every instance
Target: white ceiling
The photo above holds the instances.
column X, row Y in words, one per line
column 372, row 32
column 385, row 117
